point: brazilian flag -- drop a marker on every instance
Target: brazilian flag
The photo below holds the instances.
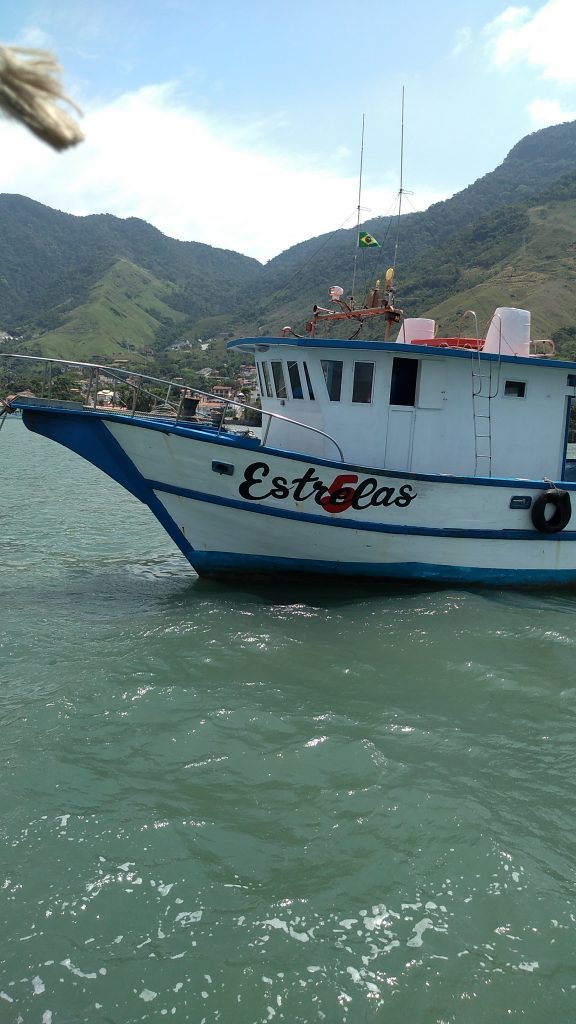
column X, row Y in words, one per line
column 366, row 241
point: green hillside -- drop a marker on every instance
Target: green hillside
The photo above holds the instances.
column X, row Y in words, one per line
column 50, row 262
column 122, row 313
column 523, row 256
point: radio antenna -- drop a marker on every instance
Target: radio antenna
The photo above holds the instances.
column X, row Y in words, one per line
column 401, row 189
column 359, row 206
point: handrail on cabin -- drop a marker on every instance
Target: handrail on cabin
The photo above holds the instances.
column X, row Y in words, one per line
column 184, row 390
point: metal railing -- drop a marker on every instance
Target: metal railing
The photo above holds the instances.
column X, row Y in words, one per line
column 171, row 406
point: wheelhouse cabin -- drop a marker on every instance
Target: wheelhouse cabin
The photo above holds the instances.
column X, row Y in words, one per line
column 421, row 404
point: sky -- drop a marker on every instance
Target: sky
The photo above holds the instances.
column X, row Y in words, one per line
column 239, row 124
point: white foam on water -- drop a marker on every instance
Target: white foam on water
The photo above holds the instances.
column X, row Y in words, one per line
column 8, row 999
column 76, row 970
column 528, row 966
column 186, row 917
column 147, row 995
column 165, row 889
column 47, row 1017
column 419, row 928
column 38, row 985
column 64, row 819
column 276, row 922
column 370, row 923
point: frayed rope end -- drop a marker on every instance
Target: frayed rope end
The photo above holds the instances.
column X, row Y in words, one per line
column 30, row 90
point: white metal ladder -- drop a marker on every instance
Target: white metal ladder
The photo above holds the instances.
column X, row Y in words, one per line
column 485, row 386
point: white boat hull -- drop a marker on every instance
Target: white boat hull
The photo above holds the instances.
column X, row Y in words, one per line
column 237, row 509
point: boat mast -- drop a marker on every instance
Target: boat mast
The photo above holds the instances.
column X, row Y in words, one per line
column 359, row 207
column 401, row 189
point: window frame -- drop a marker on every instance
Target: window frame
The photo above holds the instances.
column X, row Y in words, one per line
column 325, row 364
column 363, row 401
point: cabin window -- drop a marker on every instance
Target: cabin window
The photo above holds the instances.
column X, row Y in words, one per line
column 268, row 383
column 332, row 369
column 363, row 380
column 260, row 379
column 403, row 383
column 515, row 388
column 571, row 380
column 278, row 375
column 308, row 382
column 295, row 382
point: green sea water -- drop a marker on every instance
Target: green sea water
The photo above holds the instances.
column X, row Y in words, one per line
column 283, row 803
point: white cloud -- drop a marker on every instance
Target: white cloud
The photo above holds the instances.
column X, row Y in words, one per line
column 544, row 113
column 148, row 155
column 36, row 38
column 542, row 39
column 462, row 40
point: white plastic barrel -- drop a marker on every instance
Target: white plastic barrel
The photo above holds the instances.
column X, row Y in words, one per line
column 509, row 332
column 416, row 328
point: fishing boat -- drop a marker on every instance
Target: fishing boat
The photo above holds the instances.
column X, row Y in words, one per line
column 407, row 457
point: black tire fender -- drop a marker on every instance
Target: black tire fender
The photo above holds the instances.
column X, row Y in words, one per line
column 562, row 510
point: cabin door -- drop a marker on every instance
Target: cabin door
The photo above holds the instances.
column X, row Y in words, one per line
column 399, row 439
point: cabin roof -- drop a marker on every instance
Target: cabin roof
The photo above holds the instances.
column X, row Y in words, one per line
column 261, row 344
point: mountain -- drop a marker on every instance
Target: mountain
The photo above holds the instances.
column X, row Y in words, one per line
column 59, row 272
column 102, row 287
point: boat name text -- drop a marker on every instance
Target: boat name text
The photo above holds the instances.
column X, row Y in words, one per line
column 343, row 493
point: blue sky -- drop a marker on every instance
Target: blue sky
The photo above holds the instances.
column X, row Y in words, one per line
column 239, row 124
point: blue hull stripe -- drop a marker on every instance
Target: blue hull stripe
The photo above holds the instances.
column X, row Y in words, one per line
column 225, row 565
column 356, row 524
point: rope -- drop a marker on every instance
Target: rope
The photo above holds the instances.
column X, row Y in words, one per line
column 30, row 89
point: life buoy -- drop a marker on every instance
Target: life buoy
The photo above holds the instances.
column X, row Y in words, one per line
column 562, row 510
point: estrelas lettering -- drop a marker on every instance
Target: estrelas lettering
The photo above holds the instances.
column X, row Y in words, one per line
column 343, row 493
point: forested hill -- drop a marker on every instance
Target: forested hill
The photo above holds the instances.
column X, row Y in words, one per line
column 48, row 257
column 98, row 285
